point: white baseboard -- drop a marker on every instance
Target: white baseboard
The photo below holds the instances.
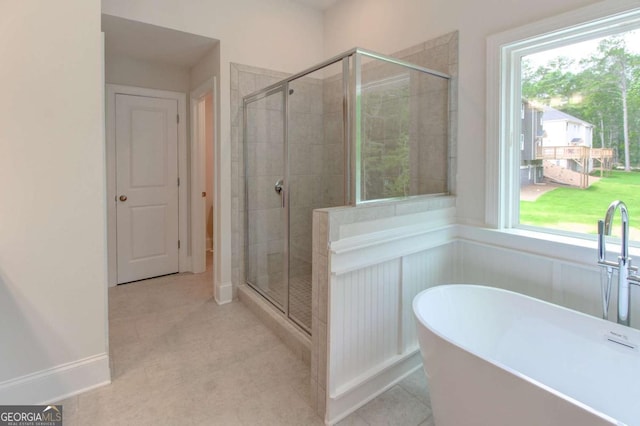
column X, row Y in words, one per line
column 340, row 406
column 57, row 383
column 223, row 293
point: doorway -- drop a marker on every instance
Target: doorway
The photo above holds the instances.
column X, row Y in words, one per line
column 202, row 173
column 145, row 60
column 146, row 163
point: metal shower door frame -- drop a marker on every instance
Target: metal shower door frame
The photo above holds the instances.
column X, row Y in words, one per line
column 352, row 90
column 283, row 87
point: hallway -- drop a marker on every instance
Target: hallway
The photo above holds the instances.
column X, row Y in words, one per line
column 177, row 357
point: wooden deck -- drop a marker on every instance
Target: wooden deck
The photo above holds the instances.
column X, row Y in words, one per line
column 579, row 154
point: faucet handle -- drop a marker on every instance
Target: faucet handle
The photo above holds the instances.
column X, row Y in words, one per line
column 632, row 276
column 634, row 279
column 601, row 247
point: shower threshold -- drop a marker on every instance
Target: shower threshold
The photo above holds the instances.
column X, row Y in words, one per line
column 299, row 298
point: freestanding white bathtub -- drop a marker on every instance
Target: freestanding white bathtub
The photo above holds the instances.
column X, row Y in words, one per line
column 494, row 357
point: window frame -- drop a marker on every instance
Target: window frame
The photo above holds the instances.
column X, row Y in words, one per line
column 504, row 54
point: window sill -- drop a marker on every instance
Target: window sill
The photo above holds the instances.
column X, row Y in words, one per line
column 571, row 249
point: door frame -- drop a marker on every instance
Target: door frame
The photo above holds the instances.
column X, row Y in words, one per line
column 198, row 175
column 184, row 260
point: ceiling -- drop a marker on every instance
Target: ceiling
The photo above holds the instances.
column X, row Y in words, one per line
column 318, row 4
column 152, row 43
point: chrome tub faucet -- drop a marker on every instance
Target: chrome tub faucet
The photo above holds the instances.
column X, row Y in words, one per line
column 627, row 274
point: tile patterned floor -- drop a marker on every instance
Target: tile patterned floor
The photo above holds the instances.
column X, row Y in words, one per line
column 299, row 297
column 404, row 404
column 179, row 358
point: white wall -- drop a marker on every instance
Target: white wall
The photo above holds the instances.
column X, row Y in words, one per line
column 207, row 66
column 52, row 213
column 274, row 34
column 151, row 75
column 388, row 26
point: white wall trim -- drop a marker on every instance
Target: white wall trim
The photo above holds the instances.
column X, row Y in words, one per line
column 352, row 254
column 103, row 131
column 605, row 17
column 112, row 90
column 223, row 293
column 57, row 383
column 580, row 252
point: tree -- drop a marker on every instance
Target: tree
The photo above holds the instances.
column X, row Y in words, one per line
column 549, row 84
column 613, row 69
column 603, row 89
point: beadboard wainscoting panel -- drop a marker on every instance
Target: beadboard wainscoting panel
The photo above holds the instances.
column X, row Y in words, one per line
column 525, row 273
column 372, row 336
column 421, row 271
column 365, row 322
column 578, row 287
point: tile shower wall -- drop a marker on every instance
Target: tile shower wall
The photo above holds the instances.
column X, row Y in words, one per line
column 332, row 190
column 429, row 135
column 440, row 54
column 306, row 167
column 404, row 132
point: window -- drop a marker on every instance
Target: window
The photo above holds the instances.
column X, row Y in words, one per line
column 553, row 83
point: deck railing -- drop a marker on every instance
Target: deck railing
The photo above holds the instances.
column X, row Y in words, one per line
column 572, row 153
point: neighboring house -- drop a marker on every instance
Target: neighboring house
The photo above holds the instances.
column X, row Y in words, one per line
column 562, row 129
column 531, row 169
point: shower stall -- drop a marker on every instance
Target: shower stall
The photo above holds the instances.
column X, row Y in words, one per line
column 359, row 127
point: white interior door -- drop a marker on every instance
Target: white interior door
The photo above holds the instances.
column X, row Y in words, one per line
column 147, row 187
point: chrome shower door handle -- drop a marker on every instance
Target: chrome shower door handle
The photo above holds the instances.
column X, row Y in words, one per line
column 278, row 186
column 279, row 189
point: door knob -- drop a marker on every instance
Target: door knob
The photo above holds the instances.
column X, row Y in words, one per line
column 123, row 198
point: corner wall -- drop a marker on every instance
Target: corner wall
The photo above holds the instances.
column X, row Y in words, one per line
column 53, row 278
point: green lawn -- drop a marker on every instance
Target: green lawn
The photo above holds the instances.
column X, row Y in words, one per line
column 578, row 210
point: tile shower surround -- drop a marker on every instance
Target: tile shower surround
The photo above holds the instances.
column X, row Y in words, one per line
column 440, row 54
column 315, row 179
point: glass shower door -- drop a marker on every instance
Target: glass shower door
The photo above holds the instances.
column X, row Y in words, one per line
column 316, row 172
column 266, row 216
